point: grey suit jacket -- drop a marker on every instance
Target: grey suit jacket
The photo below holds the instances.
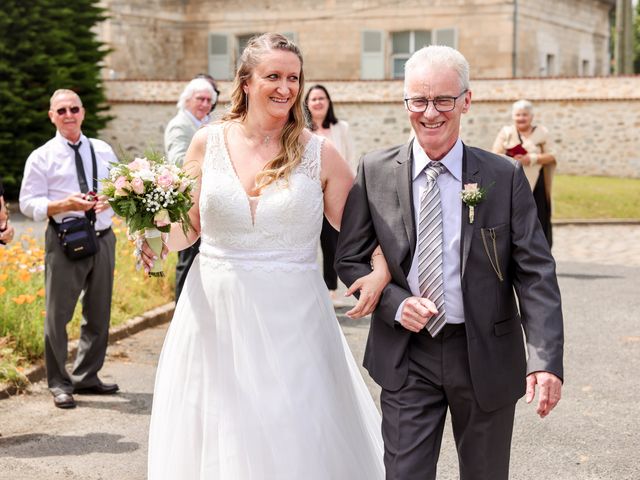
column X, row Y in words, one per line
column 177, row 137
column 379, row 209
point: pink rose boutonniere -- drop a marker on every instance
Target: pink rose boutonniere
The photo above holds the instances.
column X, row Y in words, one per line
column 472, row 195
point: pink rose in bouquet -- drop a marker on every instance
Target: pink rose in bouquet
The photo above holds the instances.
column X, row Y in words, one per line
column 165, row 179
column 139, row 164
column 137, row 184
column 122, row 185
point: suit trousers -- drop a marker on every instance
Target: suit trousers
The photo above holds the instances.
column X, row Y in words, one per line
column 185, row 260
column 328, row 244
column 413, row 417
column 65, row 282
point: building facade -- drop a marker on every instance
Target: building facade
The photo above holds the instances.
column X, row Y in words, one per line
column 361, row 39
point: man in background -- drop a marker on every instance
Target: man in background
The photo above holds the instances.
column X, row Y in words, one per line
column 196, row 102
column 56, row 183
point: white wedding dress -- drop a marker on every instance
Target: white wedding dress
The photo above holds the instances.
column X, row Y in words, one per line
column 255, row 379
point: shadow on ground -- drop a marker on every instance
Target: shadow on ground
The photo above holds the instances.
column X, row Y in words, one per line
column 35, row 445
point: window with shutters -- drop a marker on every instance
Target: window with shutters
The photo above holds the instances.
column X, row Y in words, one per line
column 404, row 44
column 220, row 60
column 372, row 55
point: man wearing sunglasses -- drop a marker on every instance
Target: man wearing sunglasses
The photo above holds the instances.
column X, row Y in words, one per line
column 471, row 269
column 197, row 101
column 60, row 181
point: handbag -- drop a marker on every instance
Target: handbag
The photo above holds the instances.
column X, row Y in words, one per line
column 77, row 235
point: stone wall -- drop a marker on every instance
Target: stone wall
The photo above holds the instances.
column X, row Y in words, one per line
column 594, row 122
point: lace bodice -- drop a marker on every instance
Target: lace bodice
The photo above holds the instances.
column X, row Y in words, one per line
column 287, row 221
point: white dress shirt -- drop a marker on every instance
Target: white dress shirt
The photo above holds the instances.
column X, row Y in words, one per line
column 50, row 174
column 450, row 185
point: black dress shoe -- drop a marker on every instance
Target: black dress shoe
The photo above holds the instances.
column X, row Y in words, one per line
column 64, row 400
column 99, row 389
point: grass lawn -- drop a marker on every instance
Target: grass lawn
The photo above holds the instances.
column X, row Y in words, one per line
column 595, row 198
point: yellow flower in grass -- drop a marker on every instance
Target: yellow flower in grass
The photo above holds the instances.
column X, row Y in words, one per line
column 2, row 290
column 40, row 292
column 3, row 277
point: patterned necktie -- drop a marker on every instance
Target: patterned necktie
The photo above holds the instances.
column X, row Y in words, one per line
column 430, row 247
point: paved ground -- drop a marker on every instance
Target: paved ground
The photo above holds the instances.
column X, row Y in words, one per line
column 592, row 435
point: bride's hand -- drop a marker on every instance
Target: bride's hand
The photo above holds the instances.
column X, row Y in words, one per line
column 370, row 287
column 146, row 255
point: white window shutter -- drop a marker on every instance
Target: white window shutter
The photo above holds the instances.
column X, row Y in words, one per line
column 372, row 55
column 447, row 36
column 219, row 57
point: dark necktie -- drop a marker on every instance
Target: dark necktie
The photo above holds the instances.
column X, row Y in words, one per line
column 430, row 247
column 82, row 178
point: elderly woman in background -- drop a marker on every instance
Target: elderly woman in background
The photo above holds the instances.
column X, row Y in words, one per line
column 528, row 144
column 323, row 121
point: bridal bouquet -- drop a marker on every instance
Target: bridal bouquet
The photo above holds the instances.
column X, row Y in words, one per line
column 150, row 195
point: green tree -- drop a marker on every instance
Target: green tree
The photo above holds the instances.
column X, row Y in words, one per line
column 45, row 45
column 636, row 39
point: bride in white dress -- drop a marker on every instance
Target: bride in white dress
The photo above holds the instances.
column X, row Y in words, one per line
column 255, row 380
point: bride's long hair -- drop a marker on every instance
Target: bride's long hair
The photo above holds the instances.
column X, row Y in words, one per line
column 290, row 141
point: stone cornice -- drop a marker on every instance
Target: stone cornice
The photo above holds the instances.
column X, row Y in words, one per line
column 390, row 91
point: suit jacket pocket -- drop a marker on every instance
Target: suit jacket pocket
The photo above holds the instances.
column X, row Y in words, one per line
column 489, row 237
column 506, row 326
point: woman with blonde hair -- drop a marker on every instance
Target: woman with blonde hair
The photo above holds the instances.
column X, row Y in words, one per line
column 255, row 379
column 529, row 144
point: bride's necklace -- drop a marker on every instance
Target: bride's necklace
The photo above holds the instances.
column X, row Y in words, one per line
column 266, row 139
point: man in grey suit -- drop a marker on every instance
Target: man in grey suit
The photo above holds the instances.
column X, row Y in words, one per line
column 194, row 106
column 467, row 277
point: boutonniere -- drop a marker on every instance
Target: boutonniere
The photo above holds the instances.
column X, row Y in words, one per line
column 472, row 195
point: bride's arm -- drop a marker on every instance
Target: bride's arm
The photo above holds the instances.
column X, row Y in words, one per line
column 370, row 286
column 337, row 179
column 193, row 167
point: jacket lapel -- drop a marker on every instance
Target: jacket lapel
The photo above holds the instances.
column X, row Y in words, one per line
column 470, row 174
column 404, row 186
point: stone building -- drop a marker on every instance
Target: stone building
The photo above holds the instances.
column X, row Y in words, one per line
column 359, row 39
column 357, row 50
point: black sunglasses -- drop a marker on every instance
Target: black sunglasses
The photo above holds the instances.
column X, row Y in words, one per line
column 63, row 110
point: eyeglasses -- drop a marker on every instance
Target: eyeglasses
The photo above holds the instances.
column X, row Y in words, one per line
column 203, row 99
column 441, row 104
column 63, row 110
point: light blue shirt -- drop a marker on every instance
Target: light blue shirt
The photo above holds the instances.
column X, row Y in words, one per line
column 450, row 185
column 194, row 119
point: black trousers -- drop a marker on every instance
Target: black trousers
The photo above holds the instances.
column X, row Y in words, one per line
column 328, row 243
column 413, row 417
column 544, row 207
column 185, row 259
